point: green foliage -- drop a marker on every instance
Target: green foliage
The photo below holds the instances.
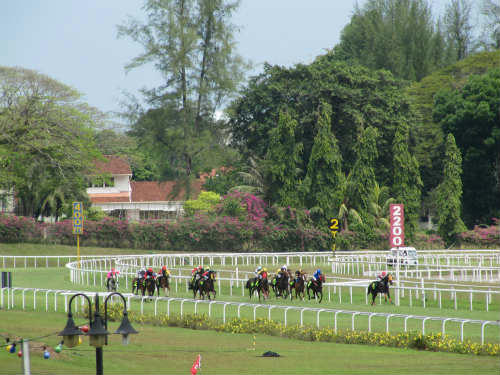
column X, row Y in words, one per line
column 357, row 95
column 206, row 202
column 46, row 141
column 450, row 194
column 428, row 135
column 361, row 180
column 110, row 142
column 398, row 35
column 94, row 213
column 282, row 160
column 472, row 116
column 323, row 185
column 407, row 183
column 191, row 43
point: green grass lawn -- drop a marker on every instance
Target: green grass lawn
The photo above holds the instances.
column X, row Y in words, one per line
column 58, row 278
column 159, row 350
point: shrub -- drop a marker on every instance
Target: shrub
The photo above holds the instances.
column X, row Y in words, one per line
column 205, row 203
column 483, row 236
column 19, row 229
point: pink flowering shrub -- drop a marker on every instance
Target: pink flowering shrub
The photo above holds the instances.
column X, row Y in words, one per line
column 19, row 229
column 483, row 236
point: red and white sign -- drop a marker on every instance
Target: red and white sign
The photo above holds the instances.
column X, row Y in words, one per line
column 397, row 235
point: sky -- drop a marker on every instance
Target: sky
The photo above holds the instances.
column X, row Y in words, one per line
column 75, row 42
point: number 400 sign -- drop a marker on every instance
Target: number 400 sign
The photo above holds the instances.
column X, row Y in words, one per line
column 397, row 236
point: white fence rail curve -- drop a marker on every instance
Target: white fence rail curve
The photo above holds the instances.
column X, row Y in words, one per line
column 10, row 296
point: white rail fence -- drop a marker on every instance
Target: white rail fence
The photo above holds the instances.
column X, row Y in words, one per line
column 10, row 297
column 426, row 257
column 415, row 291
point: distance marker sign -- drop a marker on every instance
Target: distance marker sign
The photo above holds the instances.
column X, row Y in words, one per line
column 77, row 218
column 333, row 225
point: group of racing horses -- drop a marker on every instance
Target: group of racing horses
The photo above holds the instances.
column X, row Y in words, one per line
column 283, row 285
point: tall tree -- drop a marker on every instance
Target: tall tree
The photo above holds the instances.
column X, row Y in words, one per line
column 359, row 97
column 398, row 35
column 46, row 141
column 191, row 42
column 324, row 182
column 407, row 184
column 450, row 193
column 472, row 116
column 457, row 21
column 490, row 11
column 282, row 161
column 361, row 181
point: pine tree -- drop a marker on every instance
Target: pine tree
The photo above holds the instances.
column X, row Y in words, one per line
column 282, row 161
column 361, row 181
column 324, row 182
column 450, row 193
column 407, row 182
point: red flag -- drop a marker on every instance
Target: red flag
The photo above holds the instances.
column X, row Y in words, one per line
column 196, row 365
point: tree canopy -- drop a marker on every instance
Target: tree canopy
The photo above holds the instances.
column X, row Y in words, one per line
column 472, row 115
column 46, row 141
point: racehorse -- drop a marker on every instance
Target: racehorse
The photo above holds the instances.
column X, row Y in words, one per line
column 149, row 285
column 381, row 286
column 112, row 284
column 317, row 288
column 137, row 285
column 206, row 287
column 163, row 281
column 280, row 285
column 254, row 284
column 297, row 285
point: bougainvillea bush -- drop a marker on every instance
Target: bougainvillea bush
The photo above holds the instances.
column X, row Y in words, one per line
column 482, row 236
column 19, row 229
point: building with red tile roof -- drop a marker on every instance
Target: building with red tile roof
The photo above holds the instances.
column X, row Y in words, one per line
column 119, row 195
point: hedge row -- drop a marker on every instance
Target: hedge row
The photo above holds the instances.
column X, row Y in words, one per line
column 195, row 233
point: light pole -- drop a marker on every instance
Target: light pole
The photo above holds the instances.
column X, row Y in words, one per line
column 98, row 332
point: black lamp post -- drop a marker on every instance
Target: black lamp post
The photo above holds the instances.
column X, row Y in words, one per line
column 98, row 332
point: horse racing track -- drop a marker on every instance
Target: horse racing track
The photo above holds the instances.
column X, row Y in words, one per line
column 452, row 293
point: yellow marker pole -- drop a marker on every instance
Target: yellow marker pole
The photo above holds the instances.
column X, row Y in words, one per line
column 78, row 250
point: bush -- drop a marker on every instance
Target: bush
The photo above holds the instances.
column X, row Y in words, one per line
column 205, row 203
column 482, row 236
column 19, row 229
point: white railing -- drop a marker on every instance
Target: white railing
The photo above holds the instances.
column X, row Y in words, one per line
column 430, row 257
column 237, row 280
column 253, row 307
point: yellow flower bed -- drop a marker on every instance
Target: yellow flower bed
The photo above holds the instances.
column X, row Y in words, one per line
column 414, row 340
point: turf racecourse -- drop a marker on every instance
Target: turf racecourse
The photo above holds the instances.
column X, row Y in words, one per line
column 158, row 350
column 173, row 350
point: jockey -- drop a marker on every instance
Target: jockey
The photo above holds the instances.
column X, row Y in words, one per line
column 164, row 271
column 298, row 274
column 141, row 273
column 257, row 271
column 381, row 276
column 112, row 273
column 205, row 274
column 149, row 273
column 317, row 275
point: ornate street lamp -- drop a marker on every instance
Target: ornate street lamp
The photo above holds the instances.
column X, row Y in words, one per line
column 98, row 332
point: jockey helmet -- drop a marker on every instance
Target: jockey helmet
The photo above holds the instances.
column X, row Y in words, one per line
column 383, row 273
column 283, row 268
column 264, row 269
column 150, row 269
column 318, row 271
column 112, row 270
column 164, row 268
column 259, row 268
